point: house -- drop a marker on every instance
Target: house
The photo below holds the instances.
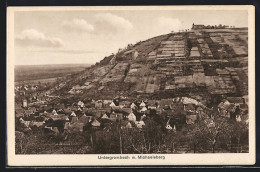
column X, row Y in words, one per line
column 83, row 119
column 163, row 103
column 78, row 127
column 227, row 109
column 139, row 124
column 152, row 107
column 142, row 104
column 33, row 109
column 58, row 117
column 25, row 103
column 222, row 109
column 73, row 114
column 129, row 125
column 104, row 116
column 60, row 111
column 19, row 113
column 112, row 104
column 85, row 110
column 127, row 110
column 74, row 119
column 142, row 117
column 131, row 117
column 67, row 110
column 144, row 109
column 119, row 116
column 55, row 113
column 37, row 124
column 95, row 123
column 133, row 106
column 67, row 119
column 99, row 104
column 236, row 100
column 176, row 99
column 26, row 123
column 198, row 26
column 81, row 104
column 124, row 104
column 28, row 112
column 74, row 108
column 24, row 127
column 245, row 99
column 187, row 100
column 243, row 108
column 168, row 126
column 66, row 125
column 106, row 103
column 45, row 114
column 89, row 118
column 238, row 118
column 152, row 103
column 113, row 116
column 99, row 112
column 79, row 109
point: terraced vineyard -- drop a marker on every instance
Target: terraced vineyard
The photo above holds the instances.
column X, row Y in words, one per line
column 211, row 60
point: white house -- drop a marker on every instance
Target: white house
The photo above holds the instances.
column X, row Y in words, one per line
column 128, row 125
column 142, row 104
column 73, row 114
column 139, row 124
column 81, row 104
column 104, row 116
column 168, row 126
column 95, row 123
column 238, row 118
column 131, row 117
column 143, row 109
column 133, row 106
column 112, row 104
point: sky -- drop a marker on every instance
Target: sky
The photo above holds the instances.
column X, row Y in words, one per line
column 86, row 37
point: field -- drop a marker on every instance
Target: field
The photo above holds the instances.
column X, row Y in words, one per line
column 36, row 81
column 45, row 73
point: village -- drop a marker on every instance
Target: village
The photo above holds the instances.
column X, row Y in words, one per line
column 176, row 112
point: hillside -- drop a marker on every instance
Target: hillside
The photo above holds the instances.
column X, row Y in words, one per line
column 199, row 62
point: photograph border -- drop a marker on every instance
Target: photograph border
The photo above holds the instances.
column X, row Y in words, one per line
column 92, row 160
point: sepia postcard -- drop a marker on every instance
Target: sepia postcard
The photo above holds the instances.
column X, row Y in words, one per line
column 131, row 85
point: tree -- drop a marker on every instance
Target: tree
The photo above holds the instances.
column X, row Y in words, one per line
column 213, row 131
column 237, row 135
column 195, row 136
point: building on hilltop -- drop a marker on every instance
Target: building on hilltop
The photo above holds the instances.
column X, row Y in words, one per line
column 197, row 26
column 200, row 26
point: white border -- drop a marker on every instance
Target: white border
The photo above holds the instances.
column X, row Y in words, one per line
column 92, row 160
